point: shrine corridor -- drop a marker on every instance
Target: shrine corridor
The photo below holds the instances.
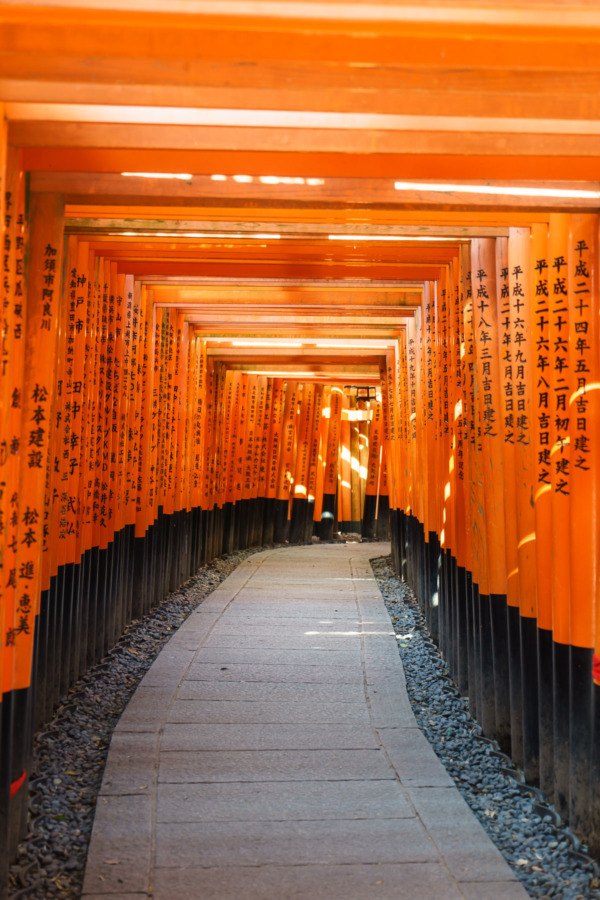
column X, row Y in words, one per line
column 274, row 272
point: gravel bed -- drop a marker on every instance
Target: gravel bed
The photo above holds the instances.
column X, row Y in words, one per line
column 70, row 753
column 542, row 854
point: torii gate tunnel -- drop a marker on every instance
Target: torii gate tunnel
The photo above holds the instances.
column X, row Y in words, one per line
column 271, row 275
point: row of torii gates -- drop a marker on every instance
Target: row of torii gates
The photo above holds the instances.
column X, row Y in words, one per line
column 274, row 273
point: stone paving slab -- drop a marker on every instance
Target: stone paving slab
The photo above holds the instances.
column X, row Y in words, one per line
column 271, row 752
column 312, row 607
column 146, row 707
column 267, row 656
column 246, row 624
column 168, row 668
column 120, row 859
column 326, row 592
column 282, row 801
column 466, row 848
column 274, row 691
column 425, row 881
column 221, row 712
column 268, row 737
column 413, row 758
column 281, row 639
column 298, row 674
column 271, row 765
column 260, row 843
column 131, row 765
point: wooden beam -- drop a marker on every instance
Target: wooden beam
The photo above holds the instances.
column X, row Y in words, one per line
column 286, row 310
column 558, row 14
column 277, row 317
column 296, row 357
column 286, row 163
column 157, row 216
column 262, row 285
column 349, row 332
column 305, row 119
column 352, row 284
column 314, row 332
column 431, row 141
column 98, row 227
column 336, row 36
column 284, row 313
column 386, row 90
column 360, row 300
column 287, row 304
column 203, row 82
column 238, row 252
column 257, row 269
column 341, row 192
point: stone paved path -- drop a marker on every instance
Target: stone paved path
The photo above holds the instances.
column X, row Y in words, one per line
column 271, row 753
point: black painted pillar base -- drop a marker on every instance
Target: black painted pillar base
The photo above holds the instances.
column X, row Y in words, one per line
column 499, row 623
column 217, row 532
column 529, row 688
column 394, row 540
column 462, row 668
column 243, row 510
column 236, row 526
column 455, row 635
column 515, row 681
column 561, row 691
column 297, row 521
column 433, row 587
column 383, row 519
column 580, row 739
column 594, row 832
column 140, row 577
column 71, row 637
column 281, row 524
column 347, row 526
column 41, row 657
column 228, row 527
column 487, row 712
column 327, row 517
column 444, row 614
column 269, row 521
column 18, row 725
column 476, row 692
column 368, row 522
column 196, row 538
column 545, row 711
column 405, row 545
column 309, row 524
column 258, row 512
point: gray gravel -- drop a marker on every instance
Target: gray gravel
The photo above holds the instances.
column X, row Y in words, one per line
column 70, row 753
column 542, row 854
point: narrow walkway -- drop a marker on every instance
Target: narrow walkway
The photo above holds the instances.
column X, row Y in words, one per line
column 271, row 753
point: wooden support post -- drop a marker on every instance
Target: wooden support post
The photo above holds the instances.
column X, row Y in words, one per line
column 584, row 412
column 488, row 350
column 542, row 496
column 331, row 465
column 519, row 279
column 41, row 332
